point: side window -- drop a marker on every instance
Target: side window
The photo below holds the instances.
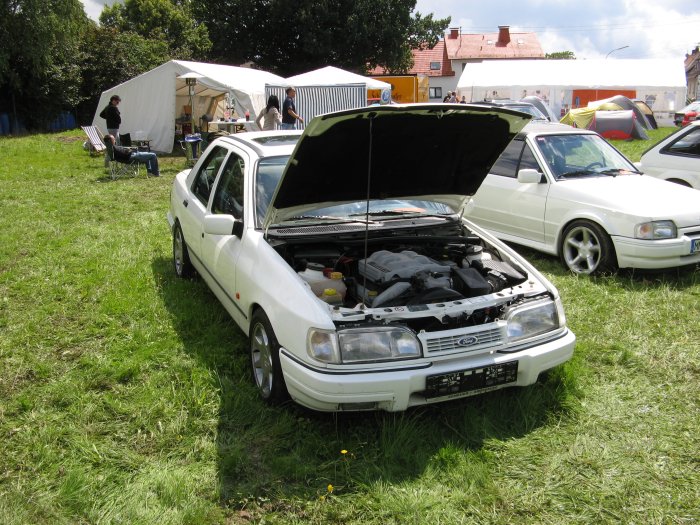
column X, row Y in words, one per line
column 689, row 144
column 528, row 160
column 204, row 181
column 507, row 163
column 229, row 193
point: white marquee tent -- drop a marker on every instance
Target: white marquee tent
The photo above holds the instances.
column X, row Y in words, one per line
column 152, row 102
column 659, row 81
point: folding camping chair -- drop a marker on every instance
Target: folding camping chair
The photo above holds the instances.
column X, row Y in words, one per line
column 95, row 145
column 119, row 169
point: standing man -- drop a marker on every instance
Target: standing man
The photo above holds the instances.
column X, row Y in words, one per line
column 289, row 110
column 113, row 117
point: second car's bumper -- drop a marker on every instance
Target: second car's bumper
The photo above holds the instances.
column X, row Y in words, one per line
column 400, row 389
column 667, row 253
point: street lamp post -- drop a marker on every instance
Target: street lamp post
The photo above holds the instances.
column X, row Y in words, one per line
column 191, row 86
column 616, row 49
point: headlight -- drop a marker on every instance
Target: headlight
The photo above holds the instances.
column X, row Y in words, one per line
column 354, row 345
column 322, row 345
column 655, row 230
column 532, row 319
column 377, row 344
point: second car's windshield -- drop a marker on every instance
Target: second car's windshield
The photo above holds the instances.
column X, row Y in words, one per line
column 573, row 155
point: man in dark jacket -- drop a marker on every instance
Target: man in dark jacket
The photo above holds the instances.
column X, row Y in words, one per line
column 127, row 155
column 113, row 117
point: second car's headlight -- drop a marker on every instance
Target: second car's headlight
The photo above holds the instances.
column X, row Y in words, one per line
column 355, row 345
column 655, row 230
column 532, row 319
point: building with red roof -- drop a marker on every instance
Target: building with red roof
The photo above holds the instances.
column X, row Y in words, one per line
column 445, row 63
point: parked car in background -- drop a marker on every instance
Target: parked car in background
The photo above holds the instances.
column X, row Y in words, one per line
column 568, row 192
column 524, row 107
column 676, row 158
column 347, row 261
column 688, row 114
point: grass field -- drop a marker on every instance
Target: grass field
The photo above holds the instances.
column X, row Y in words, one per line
column 125, row 394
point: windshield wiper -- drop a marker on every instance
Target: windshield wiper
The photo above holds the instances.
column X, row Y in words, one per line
column 616, row 171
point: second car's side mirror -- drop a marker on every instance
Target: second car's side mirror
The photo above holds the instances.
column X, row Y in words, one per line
column 529, row 176
column 222, row 224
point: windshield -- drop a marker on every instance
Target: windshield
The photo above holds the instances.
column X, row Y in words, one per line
column 574, row 155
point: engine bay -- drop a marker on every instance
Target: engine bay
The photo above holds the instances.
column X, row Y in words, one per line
column 402, row 268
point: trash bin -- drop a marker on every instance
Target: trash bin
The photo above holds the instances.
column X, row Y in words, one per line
column 192, row 147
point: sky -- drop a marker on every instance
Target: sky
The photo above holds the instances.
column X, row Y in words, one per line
column 589, row 28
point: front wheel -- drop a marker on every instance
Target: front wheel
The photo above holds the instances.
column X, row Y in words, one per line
column 181, row 257
column 587, row 249
column 265, row 359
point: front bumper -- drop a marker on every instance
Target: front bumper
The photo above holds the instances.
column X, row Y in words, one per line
column 399, row 389
column 658, row 254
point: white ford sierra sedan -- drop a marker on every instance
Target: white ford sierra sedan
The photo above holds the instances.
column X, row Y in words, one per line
column 342, row 253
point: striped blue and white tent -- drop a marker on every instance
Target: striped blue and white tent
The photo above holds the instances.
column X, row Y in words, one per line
column 326, row 90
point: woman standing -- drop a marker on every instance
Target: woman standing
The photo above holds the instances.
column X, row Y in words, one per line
column 271, row 114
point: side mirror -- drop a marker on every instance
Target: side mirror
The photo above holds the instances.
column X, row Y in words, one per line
column 529, row 176
column 222, row 225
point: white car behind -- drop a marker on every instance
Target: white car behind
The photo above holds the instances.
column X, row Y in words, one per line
column 568, row 192
column 675, row 158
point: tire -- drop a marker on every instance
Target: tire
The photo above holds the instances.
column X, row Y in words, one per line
column 265, row 360
column 181, row 257
column 587, row 249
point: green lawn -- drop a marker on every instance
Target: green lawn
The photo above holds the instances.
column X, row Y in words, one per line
column 125, row 394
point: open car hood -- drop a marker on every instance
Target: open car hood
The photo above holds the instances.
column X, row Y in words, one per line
column 429, row 152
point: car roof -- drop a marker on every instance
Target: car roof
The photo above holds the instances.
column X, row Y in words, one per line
column 541, row 127
column 265, row 143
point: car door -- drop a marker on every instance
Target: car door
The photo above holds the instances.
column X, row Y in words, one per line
column 509, row 208
column 220, row 252
column 197, row 201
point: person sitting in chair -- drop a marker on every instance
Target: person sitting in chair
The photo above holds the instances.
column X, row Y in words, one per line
column 126, row 155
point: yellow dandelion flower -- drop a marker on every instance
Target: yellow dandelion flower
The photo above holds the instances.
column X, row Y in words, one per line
column 330, row 489
column 343, row 452
column 322, row 498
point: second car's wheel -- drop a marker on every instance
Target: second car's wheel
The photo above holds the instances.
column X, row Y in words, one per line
column 181, row 257
column 586, row 249
column 265, row 359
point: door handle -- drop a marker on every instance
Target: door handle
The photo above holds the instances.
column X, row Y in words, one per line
column 185, row 203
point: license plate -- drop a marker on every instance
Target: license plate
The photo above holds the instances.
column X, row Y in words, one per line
column 481, row 378
column 695, row 245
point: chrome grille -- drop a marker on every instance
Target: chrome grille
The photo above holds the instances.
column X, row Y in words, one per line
column 464, row 340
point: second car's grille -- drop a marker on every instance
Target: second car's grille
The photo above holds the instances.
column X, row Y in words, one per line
column 464, row 340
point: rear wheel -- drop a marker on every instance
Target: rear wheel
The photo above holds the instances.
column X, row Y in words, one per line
column 181, row 257
column 587, row 249
column 265, row 359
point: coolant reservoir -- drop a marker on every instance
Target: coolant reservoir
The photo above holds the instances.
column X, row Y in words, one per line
column 331, row 296
column 321, row 279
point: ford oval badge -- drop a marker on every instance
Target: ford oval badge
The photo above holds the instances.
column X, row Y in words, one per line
column 467, row 340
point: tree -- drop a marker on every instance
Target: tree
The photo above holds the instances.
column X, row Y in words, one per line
column 39, row 69
column 169, row 21
column 292, row 36
column 561, row 55
column 109, row 57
